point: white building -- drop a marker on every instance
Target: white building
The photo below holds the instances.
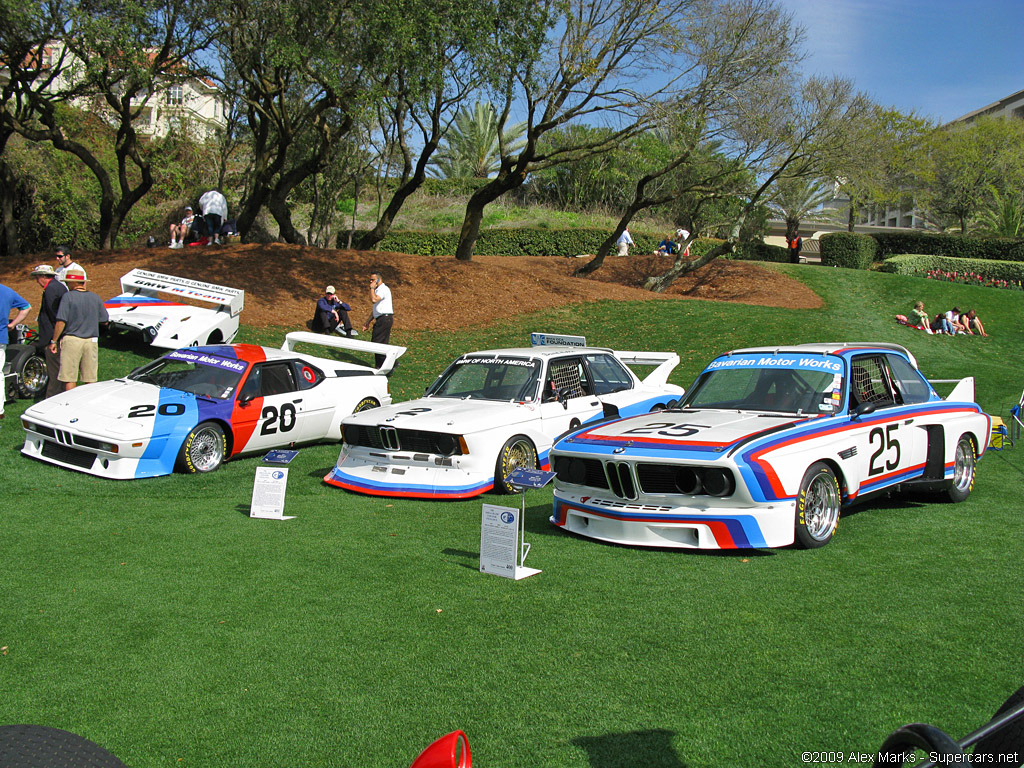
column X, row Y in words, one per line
column 189, row 104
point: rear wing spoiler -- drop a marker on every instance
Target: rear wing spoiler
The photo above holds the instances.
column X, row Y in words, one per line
column 141, row 281
column 962, row 392
column 665, row 362
column 391, row 353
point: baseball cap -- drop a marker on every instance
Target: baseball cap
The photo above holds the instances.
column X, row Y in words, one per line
column 188, row 207
column 329, row 289
column 43, row 270
column 76, row 275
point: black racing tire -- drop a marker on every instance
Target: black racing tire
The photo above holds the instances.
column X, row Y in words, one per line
column 1007, row 740
column 32, row 375
column 366, row 404
column 517, row 453
column 965, row 468
column 817, row 507
column 203, row 450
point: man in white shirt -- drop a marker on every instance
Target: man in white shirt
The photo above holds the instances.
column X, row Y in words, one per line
column 64, row 263
column 215, row 211
column 382, row 316
column 625, row 240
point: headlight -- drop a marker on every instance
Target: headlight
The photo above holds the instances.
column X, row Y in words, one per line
column 718, row 482
column 688, row 481
column 446, row 445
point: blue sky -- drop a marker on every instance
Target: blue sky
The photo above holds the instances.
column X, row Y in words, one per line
column 939, row 58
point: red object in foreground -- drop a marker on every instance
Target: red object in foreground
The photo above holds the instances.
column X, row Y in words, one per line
column 450, row 751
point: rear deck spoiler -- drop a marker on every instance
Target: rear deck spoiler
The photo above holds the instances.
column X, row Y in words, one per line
column 666, row 362
column 391, row 353
column 145, row 283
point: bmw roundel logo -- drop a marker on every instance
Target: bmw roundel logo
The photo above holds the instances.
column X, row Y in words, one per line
column 278, row 475
column 74, row 421
column 508, row 517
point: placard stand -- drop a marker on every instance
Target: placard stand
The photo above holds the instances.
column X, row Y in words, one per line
column 503, row 545
column 270, row 486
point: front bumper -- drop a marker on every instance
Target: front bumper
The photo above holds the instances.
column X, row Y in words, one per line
column 640, row 524
column 82, row 453
column 422, row 476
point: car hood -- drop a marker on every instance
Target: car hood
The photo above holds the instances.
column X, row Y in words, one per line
column 103, row 407
column 448, row 415
column 700, row 430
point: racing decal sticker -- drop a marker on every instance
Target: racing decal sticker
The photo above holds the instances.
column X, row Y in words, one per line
column 130, row 302
column 788, row 360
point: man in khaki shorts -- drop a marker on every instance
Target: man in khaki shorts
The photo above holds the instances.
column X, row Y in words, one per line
column 77, row 331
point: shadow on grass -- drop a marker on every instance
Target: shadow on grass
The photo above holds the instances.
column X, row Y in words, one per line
column 651, row 749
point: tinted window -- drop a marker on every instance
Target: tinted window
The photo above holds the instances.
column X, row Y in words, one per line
column 909, row 382
column 307, row 375
column 608, row 373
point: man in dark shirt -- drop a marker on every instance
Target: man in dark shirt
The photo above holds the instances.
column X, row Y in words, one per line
column 77, row 330
column 53, row 292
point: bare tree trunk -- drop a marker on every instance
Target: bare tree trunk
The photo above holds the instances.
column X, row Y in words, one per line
column 10, row 245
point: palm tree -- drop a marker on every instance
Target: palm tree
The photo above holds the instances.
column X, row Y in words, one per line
column 1004, row 215
column 471, row 147
column 796, row 197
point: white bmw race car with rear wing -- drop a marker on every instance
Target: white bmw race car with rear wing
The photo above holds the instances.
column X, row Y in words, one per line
column 195, row 407
column 493, row 411
column 767, row 447
column 142, row 311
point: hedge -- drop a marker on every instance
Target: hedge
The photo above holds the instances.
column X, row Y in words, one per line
column 956, row 246
column 757, row 250
column 846, row 249
column 515, row 242
column 983, row 269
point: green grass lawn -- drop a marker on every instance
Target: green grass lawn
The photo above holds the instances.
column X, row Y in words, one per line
column 155, row 618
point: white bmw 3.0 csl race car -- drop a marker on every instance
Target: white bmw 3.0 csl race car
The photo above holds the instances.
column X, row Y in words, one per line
column 767, row 447
column 195, row 407
column 491, row 412
column 140, row 310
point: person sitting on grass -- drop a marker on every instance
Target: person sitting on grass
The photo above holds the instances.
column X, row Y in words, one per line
column 953, row 316
column 972, row 323
column 919, row 317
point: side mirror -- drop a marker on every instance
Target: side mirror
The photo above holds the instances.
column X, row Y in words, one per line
column 563, row 397
column 244, row 400
column 450, row 751
column 863, row 409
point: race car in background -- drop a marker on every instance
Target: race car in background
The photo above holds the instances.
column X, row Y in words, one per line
column 494, row 411
column 767, row 447
column 195, row 407
column 161, row 322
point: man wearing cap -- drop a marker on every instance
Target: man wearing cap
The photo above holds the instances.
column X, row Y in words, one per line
column 332, row 313
column 180, row 231
column 53, row 292
column 9, row 300
column 77, row 331
column 64, row 262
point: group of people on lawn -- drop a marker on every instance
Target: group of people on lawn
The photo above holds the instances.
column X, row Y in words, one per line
column 208, row 229
column 950, row 323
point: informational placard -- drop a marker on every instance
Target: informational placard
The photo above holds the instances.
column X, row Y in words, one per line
column 500, row 552
column 280, row 456
column 552, row 339
column 268, row 492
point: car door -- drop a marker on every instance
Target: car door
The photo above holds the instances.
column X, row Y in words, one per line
column 891, row 446
column 271, row 405
column 568, row 397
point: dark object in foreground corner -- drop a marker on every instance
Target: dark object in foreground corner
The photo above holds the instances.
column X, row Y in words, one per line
column 999, row 742
column 36, row 746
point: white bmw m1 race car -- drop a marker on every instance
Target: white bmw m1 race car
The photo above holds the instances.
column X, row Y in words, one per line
column 767, row 447
column 195, row 407
column 491, row 412
column 141, row 311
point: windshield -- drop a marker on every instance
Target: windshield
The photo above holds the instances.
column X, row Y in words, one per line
column 489, row 378
column 805, row 385
column 187, row 370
